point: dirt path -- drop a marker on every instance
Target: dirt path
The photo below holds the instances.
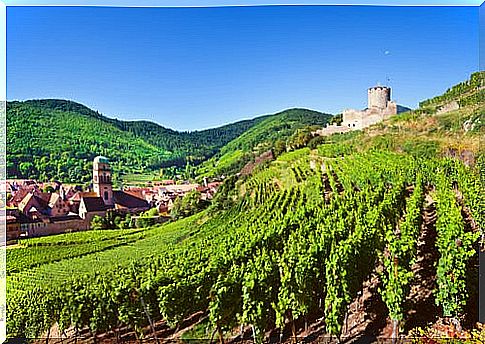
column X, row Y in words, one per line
column 163, row 333
column 420, row 302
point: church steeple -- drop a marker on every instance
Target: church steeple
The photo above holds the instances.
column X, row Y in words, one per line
column 102, row 179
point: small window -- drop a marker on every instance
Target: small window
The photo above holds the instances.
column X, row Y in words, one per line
column 106, row 195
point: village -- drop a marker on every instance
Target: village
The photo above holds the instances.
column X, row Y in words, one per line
column 40, row 208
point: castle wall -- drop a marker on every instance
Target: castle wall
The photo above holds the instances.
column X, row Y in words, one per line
column 371, row 119
column 332, row 129
column 391, row 109
column 353, row 119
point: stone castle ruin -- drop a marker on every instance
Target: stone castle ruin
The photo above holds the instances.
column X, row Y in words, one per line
column 380, row 107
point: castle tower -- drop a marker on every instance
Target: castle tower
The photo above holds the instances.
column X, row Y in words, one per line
column 102, row 179
column 378, row 97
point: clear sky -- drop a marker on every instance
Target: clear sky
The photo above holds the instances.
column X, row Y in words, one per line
column 194, row 68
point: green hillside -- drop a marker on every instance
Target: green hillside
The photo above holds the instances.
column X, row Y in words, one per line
column 449, row 125
column 199, row 145
column 50, row 144
column 57, row 139
column 262, row 137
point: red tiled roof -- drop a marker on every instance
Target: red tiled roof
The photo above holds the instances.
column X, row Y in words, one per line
column 78, row 195
column 127, row 200
column 94, row 204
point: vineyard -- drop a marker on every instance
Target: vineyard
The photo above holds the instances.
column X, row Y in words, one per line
column 300, row 241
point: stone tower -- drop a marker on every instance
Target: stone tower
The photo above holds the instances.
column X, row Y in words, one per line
column 378, row 97
column 102, row 179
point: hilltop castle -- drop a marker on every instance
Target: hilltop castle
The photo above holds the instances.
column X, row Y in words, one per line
column 379, row 108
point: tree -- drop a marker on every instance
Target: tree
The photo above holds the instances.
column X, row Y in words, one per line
column 117, row 221
column 188, row 205
column 316, row 141
column 279, row 147
column 337, row 119
column 300, row 138
column 97, row 222
column 152, row 212
column 49, row 189
column 126, row 223
column 25, row 168
column 147, row 219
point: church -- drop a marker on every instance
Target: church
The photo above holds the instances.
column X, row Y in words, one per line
column 104, row 198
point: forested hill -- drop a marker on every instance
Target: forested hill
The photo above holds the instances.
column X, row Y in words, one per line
column 57, row 139
column 199, row 145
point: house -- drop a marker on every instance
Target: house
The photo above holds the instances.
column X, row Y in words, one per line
column 35, row 202
column 90, row 207
column 75, row 200
column 165, row 205
column 58, row 204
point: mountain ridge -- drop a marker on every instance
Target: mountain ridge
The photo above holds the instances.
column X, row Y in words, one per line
column 79, row 107
column 78, row 132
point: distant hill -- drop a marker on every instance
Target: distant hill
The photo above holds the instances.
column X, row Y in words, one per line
column 198, row 144
column 57, row 139
column 401, row 109
column 50, row 143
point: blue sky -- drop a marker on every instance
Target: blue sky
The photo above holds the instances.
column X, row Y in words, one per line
column 194, row 68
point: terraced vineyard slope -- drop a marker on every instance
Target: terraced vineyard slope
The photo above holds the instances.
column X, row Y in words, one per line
column 320, row 242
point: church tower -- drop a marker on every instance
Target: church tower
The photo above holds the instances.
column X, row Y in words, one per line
column 102, row 179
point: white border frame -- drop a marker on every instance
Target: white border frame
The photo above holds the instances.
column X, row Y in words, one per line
column 152, row 3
